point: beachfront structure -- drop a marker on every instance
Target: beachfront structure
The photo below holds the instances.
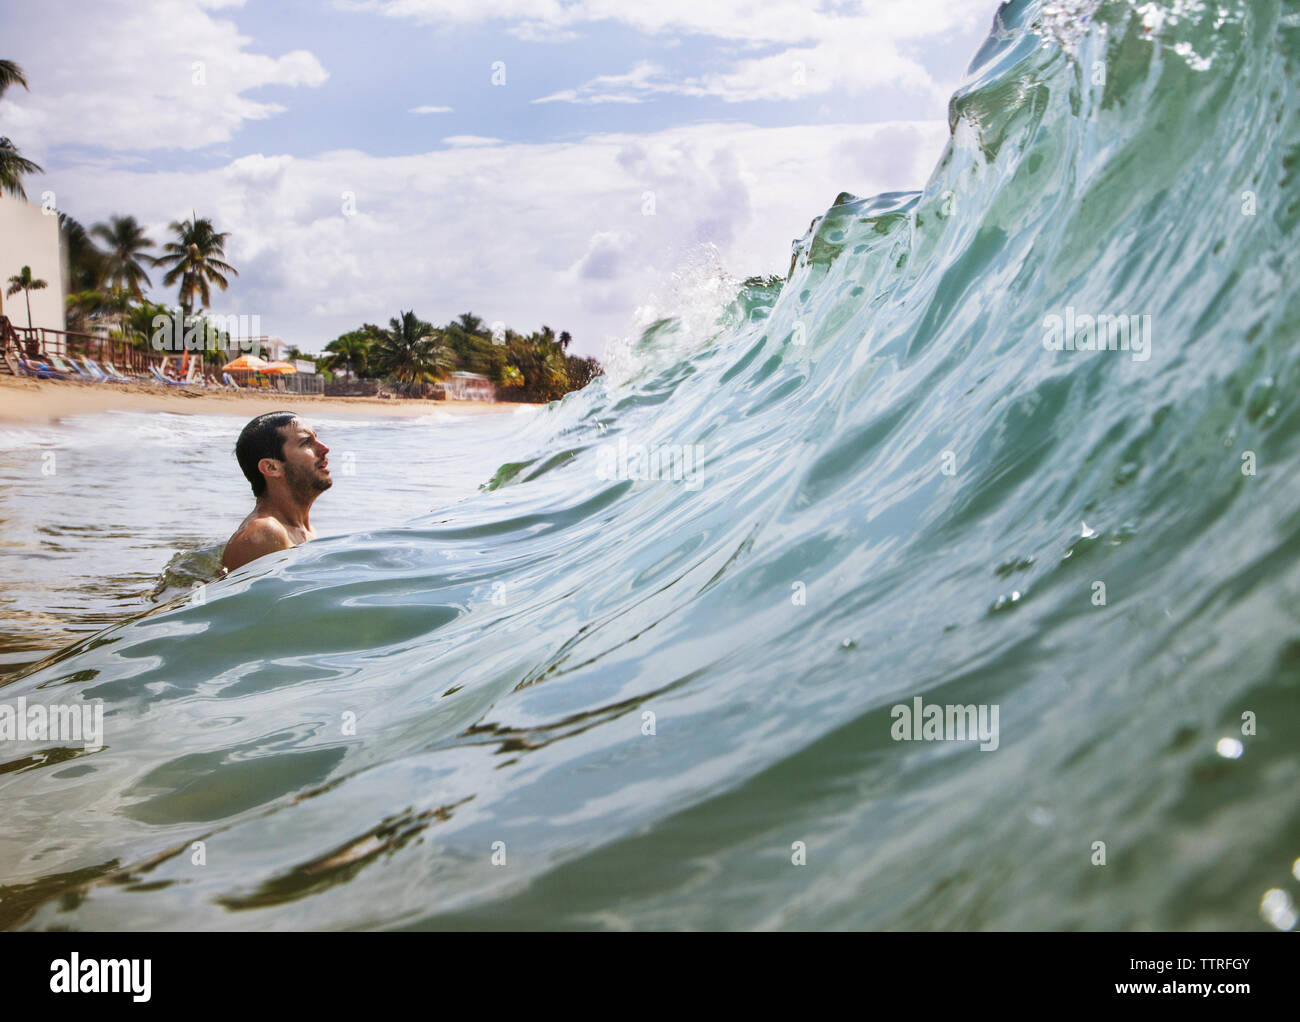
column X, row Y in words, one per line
column 272, row 348
column 470, row 387
column 240, row 342
column 30, row 237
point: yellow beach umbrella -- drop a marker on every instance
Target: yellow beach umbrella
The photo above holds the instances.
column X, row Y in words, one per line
column 279, row 367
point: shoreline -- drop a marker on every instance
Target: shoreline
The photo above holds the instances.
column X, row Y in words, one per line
column 24, row 400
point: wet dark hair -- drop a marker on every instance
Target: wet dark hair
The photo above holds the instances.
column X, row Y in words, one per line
column 260, row 439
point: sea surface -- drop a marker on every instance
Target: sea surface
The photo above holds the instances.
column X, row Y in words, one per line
column 636, row 660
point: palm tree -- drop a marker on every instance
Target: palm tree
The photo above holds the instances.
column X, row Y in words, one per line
column 82, row 307
column 116, row 305
column 11, row 74
column 94, row 304
column 141, row 321
column 27, row 284
column 470, row 323
column 12, row 163
column 542, row 364
column 196, row 260
column 86, row 263
column 126, row 242
column 410, row 352
column 556, row 374
column 351, row 350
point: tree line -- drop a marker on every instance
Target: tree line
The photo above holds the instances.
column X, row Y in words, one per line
column 412, row 351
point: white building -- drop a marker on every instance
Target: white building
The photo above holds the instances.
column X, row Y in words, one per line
column 30, row 237
column 470, row 387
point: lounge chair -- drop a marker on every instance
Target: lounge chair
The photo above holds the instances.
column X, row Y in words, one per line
column 92, row 367
column 73, row 372
column 163, row 374
column 39, row 369
column 229, row 382
column 117, row 377
column 165, row 381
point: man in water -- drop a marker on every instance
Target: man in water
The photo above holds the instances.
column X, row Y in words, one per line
column 288, row 469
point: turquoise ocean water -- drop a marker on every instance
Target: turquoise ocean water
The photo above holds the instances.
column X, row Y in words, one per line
column 576, row 697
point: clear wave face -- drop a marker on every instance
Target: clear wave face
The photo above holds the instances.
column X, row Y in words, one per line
column 651, row 675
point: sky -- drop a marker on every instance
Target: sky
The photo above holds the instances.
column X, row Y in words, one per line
column 558, row 162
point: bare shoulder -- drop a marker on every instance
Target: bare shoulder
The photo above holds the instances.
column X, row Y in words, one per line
column 257, row 536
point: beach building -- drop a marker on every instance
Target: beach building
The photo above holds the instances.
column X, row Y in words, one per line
column 30, row 237
column 470, row 387
column 268, row 346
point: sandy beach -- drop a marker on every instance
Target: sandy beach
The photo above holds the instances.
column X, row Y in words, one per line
column 27, row 400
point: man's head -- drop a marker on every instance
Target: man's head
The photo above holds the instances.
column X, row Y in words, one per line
column 280, row 446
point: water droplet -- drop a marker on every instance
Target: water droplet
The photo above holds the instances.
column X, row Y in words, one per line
column 1006, row 601
column 1087, row 532
column 1277, row 909
column 1229, row 748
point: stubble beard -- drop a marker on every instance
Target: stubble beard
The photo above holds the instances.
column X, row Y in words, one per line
column 307, row 483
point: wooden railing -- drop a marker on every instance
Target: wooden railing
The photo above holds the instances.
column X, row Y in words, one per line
column 68, row 343
column 41, row 342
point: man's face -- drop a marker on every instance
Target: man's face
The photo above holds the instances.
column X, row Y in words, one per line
column 306, row 467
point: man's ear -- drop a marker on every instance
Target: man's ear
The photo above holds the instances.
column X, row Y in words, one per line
column 270, row 467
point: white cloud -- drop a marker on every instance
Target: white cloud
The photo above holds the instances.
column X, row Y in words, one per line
column 606, row 256
column 554, row 233
column 644, row 78
column 754, row 21
column 124, row 74
column 430, row 110
column 816, row 47
column 532, row 32
column 470, row 140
